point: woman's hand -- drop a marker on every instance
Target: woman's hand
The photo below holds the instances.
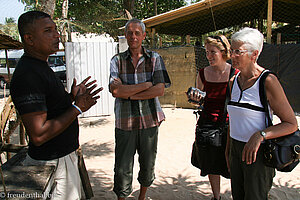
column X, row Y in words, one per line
column 194, row 96
column 251, row 147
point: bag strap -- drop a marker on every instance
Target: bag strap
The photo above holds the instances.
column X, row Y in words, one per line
column 263, row 96
column 231, row 74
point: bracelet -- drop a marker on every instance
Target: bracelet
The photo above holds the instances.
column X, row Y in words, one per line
column 77, row 108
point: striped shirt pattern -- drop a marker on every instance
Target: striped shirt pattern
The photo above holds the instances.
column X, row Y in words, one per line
column 138, row 114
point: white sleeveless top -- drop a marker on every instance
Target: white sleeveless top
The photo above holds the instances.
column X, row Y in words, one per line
column 246, row 113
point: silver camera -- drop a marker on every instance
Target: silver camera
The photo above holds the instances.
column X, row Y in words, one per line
column 195, row 91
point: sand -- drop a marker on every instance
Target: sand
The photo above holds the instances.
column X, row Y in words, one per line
column 176, row 178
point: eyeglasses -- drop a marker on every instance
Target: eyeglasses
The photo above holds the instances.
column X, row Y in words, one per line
column 237, row 52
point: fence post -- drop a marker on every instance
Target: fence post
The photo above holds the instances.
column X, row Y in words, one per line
column 269, row 21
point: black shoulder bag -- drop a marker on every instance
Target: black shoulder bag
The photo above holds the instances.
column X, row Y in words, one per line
column 214, row 134
column 282, row 153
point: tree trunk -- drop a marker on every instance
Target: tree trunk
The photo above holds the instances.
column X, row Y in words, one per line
column 65, row 7
column 155, row 7
column 64, row 28
column 129, row 5
column 48, row 6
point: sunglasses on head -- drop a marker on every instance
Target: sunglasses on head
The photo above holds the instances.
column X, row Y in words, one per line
column 220, row 39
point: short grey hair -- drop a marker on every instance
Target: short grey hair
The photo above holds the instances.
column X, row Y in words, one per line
column 137, row 21
column 252, row 38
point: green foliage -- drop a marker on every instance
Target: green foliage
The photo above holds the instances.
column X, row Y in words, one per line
column 29, row 4
column 10, row 28
column 107, row 16
column 145, row 8
column 195, row 1
column 93, row 16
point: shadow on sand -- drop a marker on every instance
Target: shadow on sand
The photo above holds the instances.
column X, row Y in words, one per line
column 92, row 123
column 166, row 188
column 92, row 150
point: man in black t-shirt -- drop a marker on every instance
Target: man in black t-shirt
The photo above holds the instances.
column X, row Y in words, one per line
column 48, row 112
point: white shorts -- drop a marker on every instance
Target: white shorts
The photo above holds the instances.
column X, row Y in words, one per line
column 65, row 181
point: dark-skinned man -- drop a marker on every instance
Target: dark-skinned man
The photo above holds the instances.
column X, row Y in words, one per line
column 48, row 112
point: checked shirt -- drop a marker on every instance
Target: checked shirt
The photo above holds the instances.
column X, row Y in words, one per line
column 138, row 114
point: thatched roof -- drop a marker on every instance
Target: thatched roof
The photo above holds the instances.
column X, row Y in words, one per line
column 7, row 42
column 210, row 15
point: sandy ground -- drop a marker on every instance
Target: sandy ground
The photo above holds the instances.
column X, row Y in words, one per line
column 176, row 178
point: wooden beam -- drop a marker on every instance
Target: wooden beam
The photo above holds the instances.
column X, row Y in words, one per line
column 14, row 148
column 269, row 21
column 86, row 184
column 183, row 11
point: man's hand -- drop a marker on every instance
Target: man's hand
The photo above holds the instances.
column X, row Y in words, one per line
column 86, row 97
column 120, row 90
column 117, row 81
column 81, row 88
column 41, row 129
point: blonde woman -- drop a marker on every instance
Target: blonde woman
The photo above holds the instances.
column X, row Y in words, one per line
column 213, row 79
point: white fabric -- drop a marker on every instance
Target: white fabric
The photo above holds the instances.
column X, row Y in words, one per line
column 244, row 122
column 66, row 176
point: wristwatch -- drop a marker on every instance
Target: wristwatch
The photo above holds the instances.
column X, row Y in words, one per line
column 263, row 134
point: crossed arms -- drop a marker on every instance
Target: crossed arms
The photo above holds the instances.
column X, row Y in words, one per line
column 141, row 91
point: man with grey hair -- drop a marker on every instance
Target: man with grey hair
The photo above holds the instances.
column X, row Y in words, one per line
column 137, row 77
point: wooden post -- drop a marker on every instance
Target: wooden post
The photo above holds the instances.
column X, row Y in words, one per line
column 269, row 21
column 160, row 42
column 260, row 23
column 86, row 184
column 8, row 154
column 278, row 38
column 188, row 39
column 7, row 65
column 22, row 134
column 182, row 39
column 153, row 38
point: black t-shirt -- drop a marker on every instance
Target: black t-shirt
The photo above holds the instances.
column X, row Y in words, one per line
column 34, row 87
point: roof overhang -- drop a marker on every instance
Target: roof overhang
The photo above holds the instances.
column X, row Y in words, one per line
column 211, row 15
column 7, row 42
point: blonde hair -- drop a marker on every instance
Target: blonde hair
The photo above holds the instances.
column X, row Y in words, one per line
column 221, row 43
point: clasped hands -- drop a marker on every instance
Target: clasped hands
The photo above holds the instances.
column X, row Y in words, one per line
column 83, row 94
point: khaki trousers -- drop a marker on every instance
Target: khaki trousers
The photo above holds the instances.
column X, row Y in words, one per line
column 143, row 141
column 65, row 182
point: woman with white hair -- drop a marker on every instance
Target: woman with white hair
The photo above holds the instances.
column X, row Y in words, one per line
column 250, row 178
